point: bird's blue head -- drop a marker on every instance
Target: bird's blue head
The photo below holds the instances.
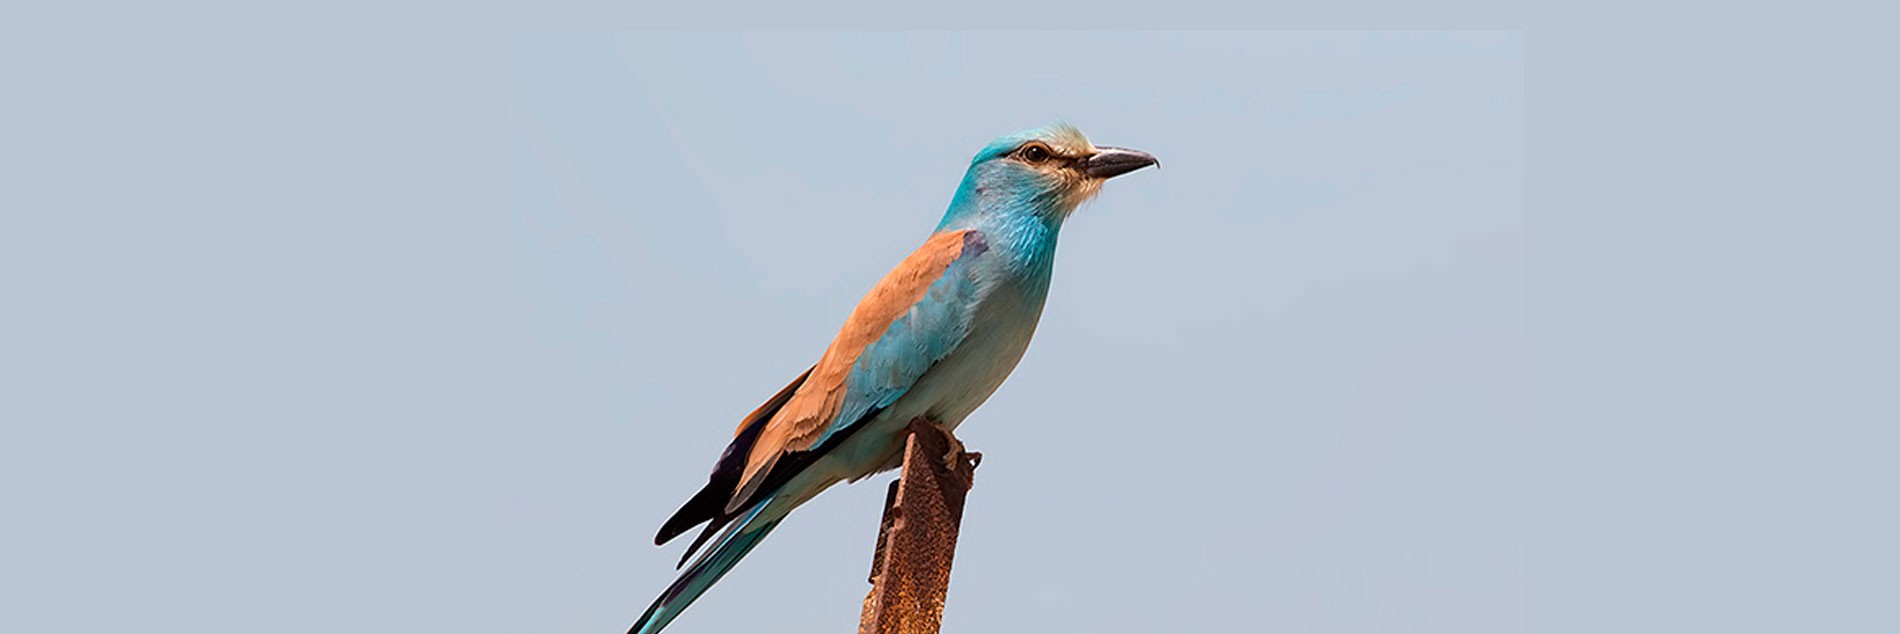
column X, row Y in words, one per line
column 1038, row 175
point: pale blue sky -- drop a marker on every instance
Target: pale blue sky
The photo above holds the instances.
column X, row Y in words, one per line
column 1268, row 389
column 283, row 351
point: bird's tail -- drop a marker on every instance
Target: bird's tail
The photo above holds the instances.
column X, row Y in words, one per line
column 711, row 565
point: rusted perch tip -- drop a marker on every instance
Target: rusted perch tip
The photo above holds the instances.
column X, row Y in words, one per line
column 910, row 570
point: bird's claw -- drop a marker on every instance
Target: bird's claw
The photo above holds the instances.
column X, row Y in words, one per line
column 954, row 456
column 957, row 458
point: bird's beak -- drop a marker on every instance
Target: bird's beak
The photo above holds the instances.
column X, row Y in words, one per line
column 1109, row 162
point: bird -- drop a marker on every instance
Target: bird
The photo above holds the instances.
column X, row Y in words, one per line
column 931, row 340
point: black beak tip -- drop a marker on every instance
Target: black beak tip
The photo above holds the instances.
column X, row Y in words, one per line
column 1110, row 162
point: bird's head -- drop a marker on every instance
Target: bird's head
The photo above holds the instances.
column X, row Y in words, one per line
column 1047, row 172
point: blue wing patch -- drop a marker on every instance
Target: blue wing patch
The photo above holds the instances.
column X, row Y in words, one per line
column 924, row 335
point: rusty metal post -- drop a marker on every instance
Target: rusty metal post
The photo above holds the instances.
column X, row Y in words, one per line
column 910, row 571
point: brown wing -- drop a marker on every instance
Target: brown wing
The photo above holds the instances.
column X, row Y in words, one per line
column 803, row 420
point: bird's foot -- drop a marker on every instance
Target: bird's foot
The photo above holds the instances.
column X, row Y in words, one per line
column 955, row 455
column 955, row 459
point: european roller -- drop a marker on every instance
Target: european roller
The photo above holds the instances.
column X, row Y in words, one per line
column 932, row 340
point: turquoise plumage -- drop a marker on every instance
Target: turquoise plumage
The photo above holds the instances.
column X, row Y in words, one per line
column 932, row 340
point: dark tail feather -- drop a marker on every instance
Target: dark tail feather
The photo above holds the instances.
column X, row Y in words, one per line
column 711, row 527
column 731, row 547
column 707, row 504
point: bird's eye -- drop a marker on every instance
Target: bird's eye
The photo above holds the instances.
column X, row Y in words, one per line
column 1035, row 154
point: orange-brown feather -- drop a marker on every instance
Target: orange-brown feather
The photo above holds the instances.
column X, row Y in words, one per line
column 799, row 424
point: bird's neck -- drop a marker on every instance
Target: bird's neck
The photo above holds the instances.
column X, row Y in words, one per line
column 1016, row 219
column 1026, row 240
